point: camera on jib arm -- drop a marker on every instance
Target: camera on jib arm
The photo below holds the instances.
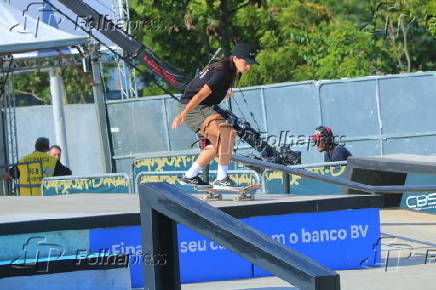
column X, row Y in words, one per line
column 284, row 155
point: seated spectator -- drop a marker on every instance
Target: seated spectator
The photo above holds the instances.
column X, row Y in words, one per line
column 325, row 142
column 56, row 152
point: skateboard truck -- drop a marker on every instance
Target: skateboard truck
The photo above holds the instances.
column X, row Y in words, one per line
column 212, row 195
column 241, row 193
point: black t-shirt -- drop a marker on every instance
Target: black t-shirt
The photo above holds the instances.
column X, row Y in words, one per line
column 217, row 80
column 339, row 153
column 61, row 170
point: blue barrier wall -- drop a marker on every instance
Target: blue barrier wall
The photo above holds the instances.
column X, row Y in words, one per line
column 38, row 252
column 170, row 167
column 273, row 181
column 106, row 183
column 347, row 239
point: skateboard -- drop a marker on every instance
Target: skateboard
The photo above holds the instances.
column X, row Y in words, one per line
column 241, row 193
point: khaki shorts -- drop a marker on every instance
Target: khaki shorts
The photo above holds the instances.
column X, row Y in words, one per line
column 196, row 117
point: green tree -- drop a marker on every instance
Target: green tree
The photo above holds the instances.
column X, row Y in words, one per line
column 308, row 42
column 187, row 33
column 35, row 85
column 407, row 28
column 298, row 39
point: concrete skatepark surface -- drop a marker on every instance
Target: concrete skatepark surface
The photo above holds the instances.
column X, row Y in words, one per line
column 408, row 237
column 92, row 204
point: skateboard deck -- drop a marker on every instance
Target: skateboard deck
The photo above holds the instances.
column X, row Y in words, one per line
column 241, row 193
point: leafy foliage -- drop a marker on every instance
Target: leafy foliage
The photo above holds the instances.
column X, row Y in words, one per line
column 300, row 40
column 34, row 87
column 297, row 39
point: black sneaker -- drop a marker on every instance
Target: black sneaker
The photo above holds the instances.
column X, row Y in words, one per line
column 225, row 183
column 194, row 181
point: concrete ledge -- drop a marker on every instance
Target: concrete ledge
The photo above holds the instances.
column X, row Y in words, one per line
column 88, row 211
column 387, row 170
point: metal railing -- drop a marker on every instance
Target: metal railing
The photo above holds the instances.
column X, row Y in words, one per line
column 300, row 171
column 286, row 180
column 12, row 185
column 162, row 206
column 260, row 178
column 333, row 180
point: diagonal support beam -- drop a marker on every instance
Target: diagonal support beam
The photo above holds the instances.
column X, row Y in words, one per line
column 131, row 46
column 163, row 205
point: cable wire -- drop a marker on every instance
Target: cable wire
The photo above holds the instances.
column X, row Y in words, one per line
column 125, row 59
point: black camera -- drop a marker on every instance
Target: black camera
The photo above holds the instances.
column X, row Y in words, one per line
column 284, row 156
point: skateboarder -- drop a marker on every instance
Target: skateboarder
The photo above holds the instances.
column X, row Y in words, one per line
column 209, row 88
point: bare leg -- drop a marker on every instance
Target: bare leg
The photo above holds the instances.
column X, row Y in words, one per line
column 226, row 143
column 207, row 155
column 221, row 135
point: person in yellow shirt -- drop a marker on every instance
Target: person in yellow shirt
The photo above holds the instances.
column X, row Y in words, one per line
column 33, row 167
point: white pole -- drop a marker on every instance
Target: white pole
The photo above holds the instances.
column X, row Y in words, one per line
column 56, row 91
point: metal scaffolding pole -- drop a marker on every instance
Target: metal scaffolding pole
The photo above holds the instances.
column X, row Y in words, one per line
column 57, row 97
column 9, row 129
column 126, row 74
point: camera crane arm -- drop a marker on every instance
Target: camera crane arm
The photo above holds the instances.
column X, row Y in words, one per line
column 134, row 50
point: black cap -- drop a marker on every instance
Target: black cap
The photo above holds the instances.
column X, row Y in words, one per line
column 42, row 144
column 246, row 52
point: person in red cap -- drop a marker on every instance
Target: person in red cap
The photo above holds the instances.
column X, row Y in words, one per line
column 325, row 142
column 207, row 89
